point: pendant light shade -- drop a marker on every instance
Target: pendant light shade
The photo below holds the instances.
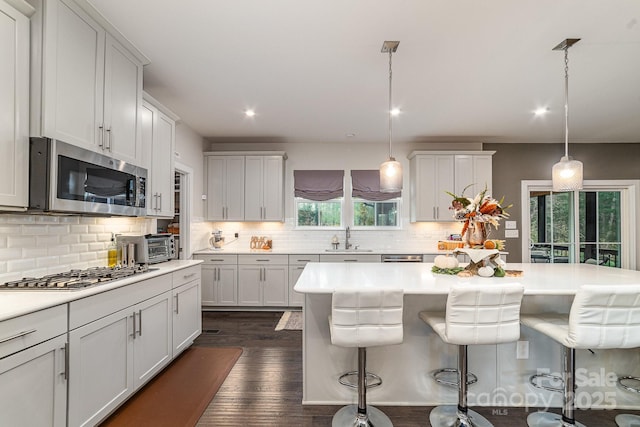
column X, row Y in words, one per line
column 391, row 170
column 567, row 173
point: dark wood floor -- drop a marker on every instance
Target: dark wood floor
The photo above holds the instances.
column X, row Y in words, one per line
column 265, row 386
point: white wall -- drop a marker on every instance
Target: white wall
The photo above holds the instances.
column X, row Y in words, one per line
column 345, row 156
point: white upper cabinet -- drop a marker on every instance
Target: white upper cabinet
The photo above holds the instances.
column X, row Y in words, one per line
column 86, row 85
column 433, row 174
column 264, row 188
column 224, row 184
column 14, row 105
column 158, row 141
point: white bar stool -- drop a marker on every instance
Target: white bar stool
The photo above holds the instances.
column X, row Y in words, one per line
column 365, row 318
column 475, row 314
column 601, row 317
column 628, row 420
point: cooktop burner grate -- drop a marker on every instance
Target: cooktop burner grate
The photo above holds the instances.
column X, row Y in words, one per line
column 74, row 279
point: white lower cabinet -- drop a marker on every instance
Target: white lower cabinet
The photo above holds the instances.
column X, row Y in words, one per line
column 33, row 374
column 296, row 265
column 33, row 386
column 263, row 280
column 187, row 318
column 118, row 340
column 219, row 279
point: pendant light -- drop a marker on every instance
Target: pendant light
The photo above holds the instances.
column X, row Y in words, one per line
column 567, row 173
column 391, row 170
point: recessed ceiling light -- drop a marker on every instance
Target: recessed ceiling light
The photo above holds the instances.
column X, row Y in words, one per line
column 249, row 113
column 395, row 112
column 541, row 111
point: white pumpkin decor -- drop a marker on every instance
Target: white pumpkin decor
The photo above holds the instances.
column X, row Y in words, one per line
column 445, row 261
column 485, row 271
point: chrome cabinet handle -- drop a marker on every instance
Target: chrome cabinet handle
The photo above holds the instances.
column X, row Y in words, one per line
column 134, row 325
column 186, row 276
column 160, row 204
column 437, row 211
column 109, row 136
column 101, row 143
column 177, row 304
column 140, row 323
column 18, row 335
column 65, row 374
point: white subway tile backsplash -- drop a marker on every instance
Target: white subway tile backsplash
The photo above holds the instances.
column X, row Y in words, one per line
column 70, row 239
column 80, row 248
column 47, row 219
column 58, row 229
column 95, row 229
column 16, row 265
column 34, row 253
column 87, row 238
column 97, row 246
column 19, row 241
column 93, row 256
column 10, row 253
column 19, row 219
column 79, row 229
column 69, row 258
column 49, row 261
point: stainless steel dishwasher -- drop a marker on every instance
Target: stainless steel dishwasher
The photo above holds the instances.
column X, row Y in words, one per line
column 402, row 258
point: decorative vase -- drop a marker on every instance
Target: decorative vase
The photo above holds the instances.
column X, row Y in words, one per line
column 476, row 234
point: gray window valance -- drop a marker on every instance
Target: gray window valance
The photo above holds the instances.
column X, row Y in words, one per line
column 318, row 185
column 366, row 185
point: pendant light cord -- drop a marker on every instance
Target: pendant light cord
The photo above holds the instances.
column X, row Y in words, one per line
column 390, row 79
column 566, row 101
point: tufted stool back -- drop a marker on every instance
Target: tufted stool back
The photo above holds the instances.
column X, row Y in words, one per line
column 604, row 316
column 483, row 314
column 366, row 318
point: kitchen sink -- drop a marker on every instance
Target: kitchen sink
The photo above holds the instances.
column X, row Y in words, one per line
column 348, row 250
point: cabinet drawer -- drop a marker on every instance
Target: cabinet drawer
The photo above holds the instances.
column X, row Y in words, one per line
column 349, row 258
column 303, row 259
column 25, row 331
column 263, row 259
column 215, row 259
column 186, row 275
column 88, row 309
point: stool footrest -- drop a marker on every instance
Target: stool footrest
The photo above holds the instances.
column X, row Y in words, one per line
column 372, row 380
column 437, row 375
column 628, row 387
column 533, row 381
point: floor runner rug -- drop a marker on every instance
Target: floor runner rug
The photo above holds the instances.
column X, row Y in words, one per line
column 178, row 395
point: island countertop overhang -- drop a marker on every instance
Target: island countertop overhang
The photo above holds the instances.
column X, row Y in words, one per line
column 417, row 278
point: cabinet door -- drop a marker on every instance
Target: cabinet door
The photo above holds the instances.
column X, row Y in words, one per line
column 14, row 106
column 187, row 315
column 273, row 189
column 101, row 360
column 250, row 284
column 152, row 337
column 33, row 387
column 209, row 285
column 254, row 188
column 216, row 182
column 122, row 99
column 443, row 182
column 225, row 188
column 295, row 298
column 474, row 171
column 158, row 137
column 227, row 285
column 423, row 188
column 73, row 75
column 275, row 287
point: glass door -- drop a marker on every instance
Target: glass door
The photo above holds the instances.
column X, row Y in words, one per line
column 570, row 227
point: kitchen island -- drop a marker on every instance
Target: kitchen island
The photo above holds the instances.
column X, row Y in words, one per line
column 503, row 378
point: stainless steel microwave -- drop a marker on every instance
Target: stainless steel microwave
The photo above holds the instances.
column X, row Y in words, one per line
column 67, row 178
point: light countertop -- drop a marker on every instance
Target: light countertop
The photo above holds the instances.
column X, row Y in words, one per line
column 16, row 303
column 417, row 278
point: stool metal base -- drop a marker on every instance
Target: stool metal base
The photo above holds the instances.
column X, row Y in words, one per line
column 628, row 420
column 372, row 380
column 347, row 416
column 548, row 419
column 447, row 416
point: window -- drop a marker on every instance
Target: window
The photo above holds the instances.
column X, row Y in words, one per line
column 595, row 225
column 319, row 214
column 375, row 214
column 371, row 207
column 318, row 198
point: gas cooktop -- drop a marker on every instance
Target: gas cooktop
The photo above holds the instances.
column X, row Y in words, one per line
column 74, row 279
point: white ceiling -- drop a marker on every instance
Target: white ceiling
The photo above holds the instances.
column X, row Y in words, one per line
column 465, row 70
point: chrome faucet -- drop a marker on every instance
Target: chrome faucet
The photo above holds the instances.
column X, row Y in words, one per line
column 347, row 245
